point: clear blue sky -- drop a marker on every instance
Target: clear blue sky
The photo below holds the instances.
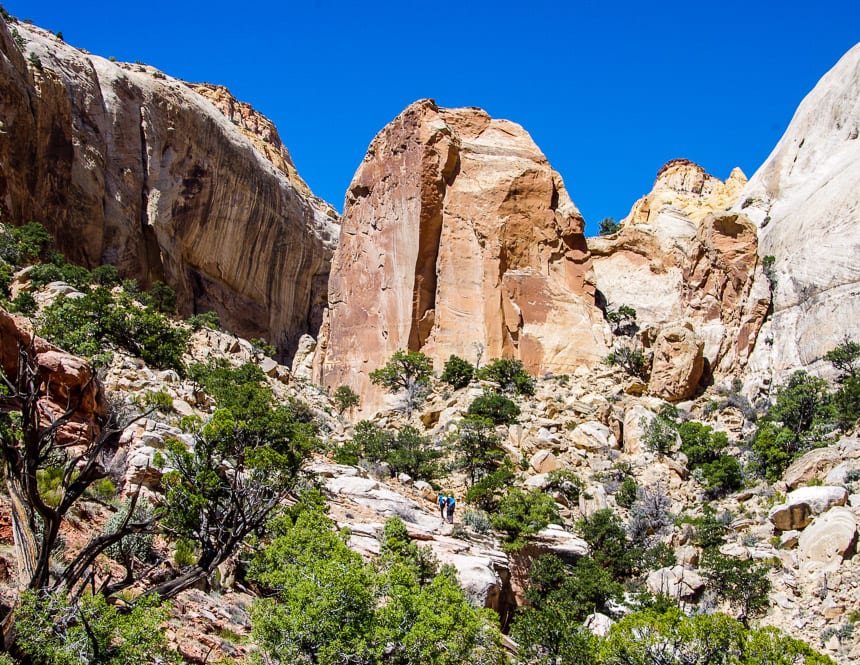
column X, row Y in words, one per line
column 609, row 90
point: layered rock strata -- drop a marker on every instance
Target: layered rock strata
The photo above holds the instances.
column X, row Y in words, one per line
column 806, row 201
column 131, row 167
column 458, row 238
column 681, row 259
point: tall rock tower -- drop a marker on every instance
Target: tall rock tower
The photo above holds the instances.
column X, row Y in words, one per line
column 456, row 235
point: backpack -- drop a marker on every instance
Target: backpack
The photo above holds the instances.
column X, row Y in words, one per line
column 443, row 500
column 451, row 502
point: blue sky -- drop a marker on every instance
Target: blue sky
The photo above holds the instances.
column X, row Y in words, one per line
column 610, row 91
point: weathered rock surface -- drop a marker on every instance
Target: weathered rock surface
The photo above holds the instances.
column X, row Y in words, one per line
column 130, row 167
column 456, row 232
column 678, row 363
column 802, row 504
column 69, row 381
column 829, row 539
column 806, row 201
column 680, row 258
column 675, row 582
column 819, row 462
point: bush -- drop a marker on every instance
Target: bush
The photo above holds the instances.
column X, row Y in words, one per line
column 160, row 400
column 24, row 303
column 477, row 520
column 458, row 372
column 626, row 494
column 345, row 398
column 566, row 483
column 477, row 449
column 408, row 373
column 103, row 489
column 54, row 630
column 743, row 584
column 704, row 450
column 413, row 454
column 608, row 226
column 161, row 298
column 630, row 359
column 90, row 324
column 623, row 321
column 204, row 320
column 608, row 543
column 510, row 375
column 495, row 407
column 672, row 638
column 660, row 433
column 521, row 514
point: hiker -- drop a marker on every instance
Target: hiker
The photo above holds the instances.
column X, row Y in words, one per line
column 451, row 503
column 443, row 501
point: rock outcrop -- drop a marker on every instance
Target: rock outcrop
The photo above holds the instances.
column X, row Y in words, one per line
column 680, row 258
column 67, row 382
column 457, row 232
column 131, row 167
column 806, row 202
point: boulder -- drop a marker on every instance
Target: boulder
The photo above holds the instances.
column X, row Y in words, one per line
column 829, row 539
column 555, row 539
column 593, row 435
column 598, row 624
column 676, row 582
column 802, row 504
column 818, row 463
column 678, row 363
column 633, row 429
column 543, row 461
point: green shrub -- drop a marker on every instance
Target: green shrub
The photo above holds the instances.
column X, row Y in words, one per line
column 521, row 514
column 744, row 584
column 608, row 226
column 566, row 483
column 626, row 494
column 407, row 373
column 458, row 372
column 623, row 320
column 510, row 375
column 204, row 320
column 348, row 453
column 190, row 424
column 160, row 399
column 24, row 303
column 92, row 323
column 54, row 630
column 477, row 520
column 495, row 407
column 477, row 448
column 345, row 398
column 608, row 542
column 106, row 275
column 630, row 359
column 659, row 556
column 133, row 546
column 103, row 489
column 661, row 432
column 184, row 553
column 704, row 450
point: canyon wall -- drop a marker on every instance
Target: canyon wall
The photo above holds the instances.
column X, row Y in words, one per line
column 167, row 181
column 805, row 200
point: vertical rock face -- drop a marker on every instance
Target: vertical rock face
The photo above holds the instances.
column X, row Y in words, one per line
column 681, row 258
column 806, row 201
column 131, row 167
column 456, row 233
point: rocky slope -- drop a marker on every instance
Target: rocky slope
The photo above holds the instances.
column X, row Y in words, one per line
column 805, row 200
column 681, row 258
column 128, row 166
column 456, row 233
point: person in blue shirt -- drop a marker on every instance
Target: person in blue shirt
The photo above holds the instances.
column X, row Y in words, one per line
column 451, row 503
column 443, row 502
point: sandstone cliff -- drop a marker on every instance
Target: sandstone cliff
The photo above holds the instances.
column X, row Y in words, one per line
column 806, row 201
column 457, row 232
column 131, row 167
column 681, row 258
